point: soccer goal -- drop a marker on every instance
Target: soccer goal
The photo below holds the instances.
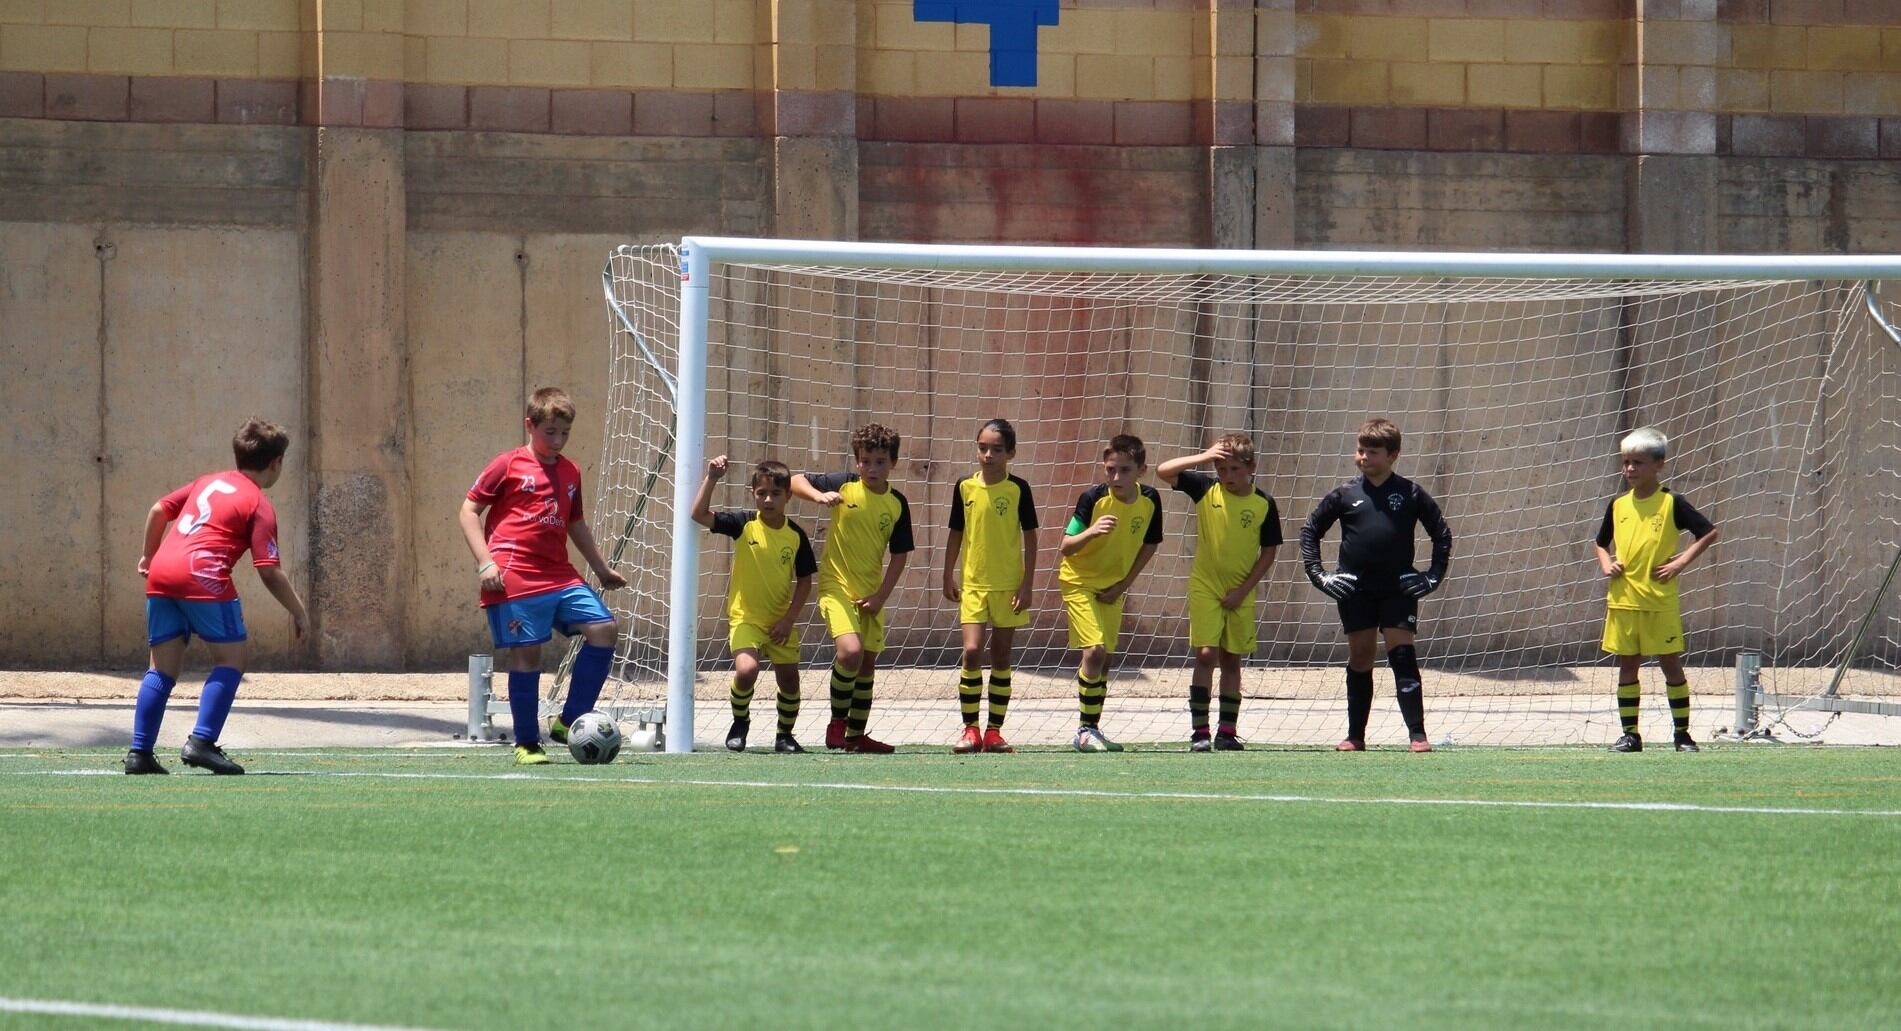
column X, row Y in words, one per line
column 1512, row 377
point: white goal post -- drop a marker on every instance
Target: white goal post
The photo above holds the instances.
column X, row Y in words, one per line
column 1513, row 375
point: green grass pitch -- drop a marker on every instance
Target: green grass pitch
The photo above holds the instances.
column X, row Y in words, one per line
column 1286, row 888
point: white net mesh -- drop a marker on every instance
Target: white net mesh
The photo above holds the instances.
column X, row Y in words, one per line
column 1512, row 393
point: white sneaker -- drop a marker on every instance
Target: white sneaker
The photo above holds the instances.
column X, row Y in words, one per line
column 1090, row 739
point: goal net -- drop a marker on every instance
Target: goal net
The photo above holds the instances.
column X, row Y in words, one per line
column 1512, row 377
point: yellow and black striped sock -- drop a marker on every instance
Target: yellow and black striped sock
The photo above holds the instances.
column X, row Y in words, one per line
column 860, row 713
column 788, row 710
column 1089, row 698
column 843, row 684
column 742, row 700
column 1230, row 711
column 1627, row 695
column 1679, row 705
column 999, row 697
column 970, row 694
column 1198, row 705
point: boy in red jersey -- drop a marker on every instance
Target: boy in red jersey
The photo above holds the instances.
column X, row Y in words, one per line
column 188, row 591
column 532, row 499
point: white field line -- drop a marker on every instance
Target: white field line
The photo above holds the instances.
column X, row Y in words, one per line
column 1180, row 796
column 189, row 1018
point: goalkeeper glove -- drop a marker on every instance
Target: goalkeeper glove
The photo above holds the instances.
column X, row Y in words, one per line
column 1418, row 585
column 1338, row 586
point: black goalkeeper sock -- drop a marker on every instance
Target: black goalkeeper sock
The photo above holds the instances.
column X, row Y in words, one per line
column 1359, row 703
column 1404, row 663
column 1198, row 695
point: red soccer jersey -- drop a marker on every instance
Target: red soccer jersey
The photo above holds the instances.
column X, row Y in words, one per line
column 529, row 507
column 219, row 516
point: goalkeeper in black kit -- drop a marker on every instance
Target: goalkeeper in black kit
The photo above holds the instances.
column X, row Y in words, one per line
column 1376, row 586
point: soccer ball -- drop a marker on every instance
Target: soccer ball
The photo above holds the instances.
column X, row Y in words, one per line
column 594, row 738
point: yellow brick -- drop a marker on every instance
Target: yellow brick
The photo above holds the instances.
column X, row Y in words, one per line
column 1386, row 39
column 175, row 14
column 510, row 19
column 1169, row 32
column 134, row 51
column 795, row 66
column 1081, row 31
column 1107, row 76
column 280, row 55
column 891, row 72
column 837, row 68
column 972, row 37
column 1580, row 87
column 1742, row 89
column 953, row 75
column 1234, row 78
column 1504, row 85
column 468, row 60
column 1684, row 43
column 1303, row 82
column 547, row 62
column 1465, row 39
column 1422, row 83
column 383, row 16
column 832, row 23
column 1181, row 78
column 436, row 17
column 1839, row 48
column 1055, row 75
column 264, row 15
column 1809, row 93
column 415, row 59
column 89, row 12
column 342, row 15
column 1660, row 89
column 699, row 66
column 1891, row 49
column 593, row 19
column 631, row 65
column 218, row 53
column 1350, row 82
column 42, row 48
column 1321, row 36
column 22, row 12
column 1538, row 41
column 1871, row 93
column 896, row 29
column 366, row 55
column 1767, row 46
column 736, row 21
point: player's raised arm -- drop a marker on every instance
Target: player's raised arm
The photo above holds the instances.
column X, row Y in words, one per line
column 703, row 501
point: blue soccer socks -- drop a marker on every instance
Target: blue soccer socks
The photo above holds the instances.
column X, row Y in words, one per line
column 154, row 691
column 584, row 681
column 214, row 702
column 524, row 705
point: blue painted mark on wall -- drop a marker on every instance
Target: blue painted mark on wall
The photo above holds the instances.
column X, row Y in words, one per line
column 1013, row 25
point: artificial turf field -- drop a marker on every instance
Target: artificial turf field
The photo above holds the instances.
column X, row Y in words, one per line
column 447, row 890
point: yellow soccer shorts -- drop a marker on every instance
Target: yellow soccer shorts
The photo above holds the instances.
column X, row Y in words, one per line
column 1630, row 632
column 744, row 636
column 992, row 607
column 842, row 617
column 1091, row 622
column 1211, row 626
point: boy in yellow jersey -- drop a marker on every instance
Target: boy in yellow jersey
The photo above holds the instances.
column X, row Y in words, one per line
column 1636, row 550
column 1112, row 534
column 869, row 517
column 1237, row 533
column 994, row 511
column 771, row 579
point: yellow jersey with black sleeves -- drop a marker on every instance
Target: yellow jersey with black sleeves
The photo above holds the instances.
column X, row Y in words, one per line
column 865, row 525
column 1106, row 560
column 765, row 563
column 992, row 517
column 1642, row 534
column 1230, row 531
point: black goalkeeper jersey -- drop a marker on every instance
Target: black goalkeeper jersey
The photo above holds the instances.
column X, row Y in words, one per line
column 1377, row 529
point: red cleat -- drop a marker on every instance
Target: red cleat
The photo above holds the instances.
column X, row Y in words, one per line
column 971, row 740
column 835, row 735
column 1420, row 744
column 1350, row 745
column 865, row 744
column 994, row 742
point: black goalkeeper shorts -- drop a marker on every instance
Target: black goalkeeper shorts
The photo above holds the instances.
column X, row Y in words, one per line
column 1384, row 610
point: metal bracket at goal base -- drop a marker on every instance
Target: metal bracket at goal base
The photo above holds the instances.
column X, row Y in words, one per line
column 1750, row 698
column 484, row 706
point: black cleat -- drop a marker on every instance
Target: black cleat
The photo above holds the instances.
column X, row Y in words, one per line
column 1198, row 741
column 736, row 737
column 1227, row 743
column 206, row 755
column 1628, row 743
column 1686, row 743
column 137, row 762
column 785, row 744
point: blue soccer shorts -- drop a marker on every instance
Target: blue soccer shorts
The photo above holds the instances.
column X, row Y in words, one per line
column 520, row 622
column 219, row 622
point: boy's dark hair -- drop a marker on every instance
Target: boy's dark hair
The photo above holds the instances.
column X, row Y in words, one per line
column 1380, row 433
column 259, row 443
column 1004, row 430
column 873, row 437
column 550, row 403
column 1127, row 444
column 1239, row 446
column 771, row 472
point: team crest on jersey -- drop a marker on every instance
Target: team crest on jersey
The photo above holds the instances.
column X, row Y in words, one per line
column 1395, row 501
column 1247, row 519
column 270, row 550
column 785, row 556
column 1002, row 506
column 1136, row 524
column 884, row 523
column 514, row 626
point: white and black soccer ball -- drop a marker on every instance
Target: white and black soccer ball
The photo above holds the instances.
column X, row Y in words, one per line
column 594, row 739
